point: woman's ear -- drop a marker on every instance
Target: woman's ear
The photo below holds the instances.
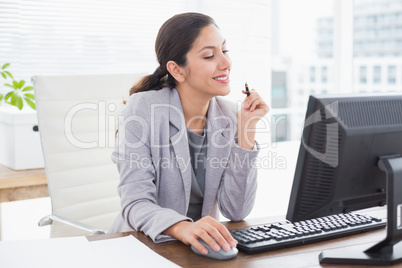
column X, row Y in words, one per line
column 176, row 71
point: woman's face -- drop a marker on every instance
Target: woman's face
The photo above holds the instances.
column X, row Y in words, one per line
column 208, row 64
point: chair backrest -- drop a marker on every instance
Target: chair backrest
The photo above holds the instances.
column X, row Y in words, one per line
column 78, row 116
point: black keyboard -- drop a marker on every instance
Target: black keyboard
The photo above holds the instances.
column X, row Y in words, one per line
column 287, row 234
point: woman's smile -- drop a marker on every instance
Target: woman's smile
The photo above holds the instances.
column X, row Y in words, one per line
column 222, row 78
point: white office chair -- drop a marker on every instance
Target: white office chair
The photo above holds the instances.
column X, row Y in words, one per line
column 78, row 116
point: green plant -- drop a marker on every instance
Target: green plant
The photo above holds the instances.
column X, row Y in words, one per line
column 18, row 93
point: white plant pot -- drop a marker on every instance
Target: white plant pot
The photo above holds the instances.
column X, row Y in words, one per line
column 20, row 145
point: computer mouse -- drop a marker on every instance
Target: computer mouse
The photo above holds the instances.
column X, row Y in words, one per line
column 219, row 255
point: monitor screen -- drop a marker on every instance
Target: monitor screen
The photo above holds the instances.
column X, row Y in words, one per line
column 343, row 139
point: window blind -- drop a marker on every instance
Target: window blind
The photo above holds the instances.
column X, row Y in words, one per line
column 96, row 37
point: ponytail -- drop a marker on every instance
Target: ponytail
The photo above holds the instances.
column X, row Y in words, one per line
column 155, row 81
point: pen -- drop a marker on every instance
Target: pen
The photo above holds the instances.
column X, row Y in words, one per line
column 247, row 90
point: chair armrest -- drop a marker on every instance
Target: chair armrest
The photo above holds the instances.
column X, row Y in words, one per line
column 47, row 220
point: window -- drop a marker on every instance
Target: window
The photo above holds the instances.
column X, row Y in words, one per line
column 72, row 37
column 358, row 41
column 96, row 37
column 312, row 74
column 392, row 74
column 302, row 46
column 324, row 74
column 363, row 74
column 377, row 74
column 278, row 89
column 377, row 33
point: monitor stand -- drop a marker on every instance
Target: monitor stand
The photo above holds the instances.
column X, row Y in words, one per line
column 388, row 251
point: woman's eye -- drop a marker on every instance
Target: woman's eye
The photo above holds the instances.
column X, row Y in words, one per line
column 210, row 57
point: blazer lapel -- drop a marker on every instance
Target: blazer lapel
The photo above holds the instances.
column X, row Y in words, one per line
column 220, row 134
column 178, row 138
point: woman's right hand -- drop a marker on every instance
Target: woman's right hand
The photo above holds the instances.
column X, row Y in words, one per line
column 208, row 229
column 253, row 109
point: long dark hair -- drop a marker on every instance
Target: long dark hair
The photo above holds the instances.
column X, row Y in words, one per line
column 174, row 40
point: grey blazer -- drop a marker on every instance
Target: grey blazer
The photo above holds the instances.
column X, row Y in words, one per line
column 152, row 156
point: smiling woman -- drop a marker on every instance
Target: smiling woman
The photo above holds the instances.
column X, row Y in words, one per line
column 102, row 37
column 180, row 111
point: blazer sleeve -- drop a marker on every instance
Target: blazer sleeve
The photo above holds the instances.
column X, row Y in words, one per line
column 238, row 187
column 137, row 187
column 237, row 191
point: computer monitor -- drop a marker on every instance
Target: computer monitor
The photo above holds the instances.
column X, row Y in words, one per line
column 344, row 140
